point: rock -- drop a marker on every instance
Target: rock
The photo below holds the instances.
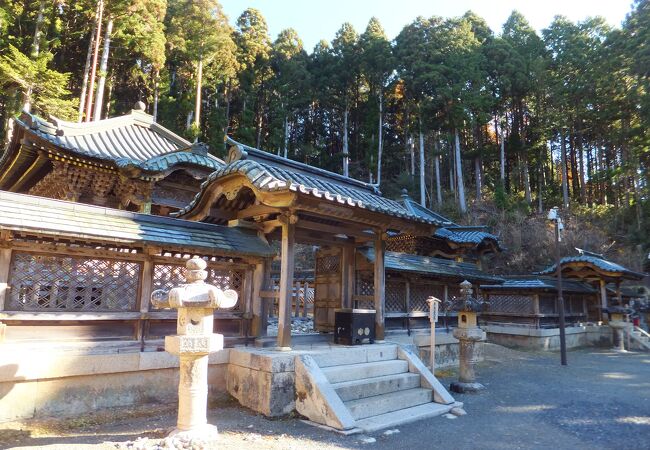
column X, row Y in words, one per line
column 367, row 440
column 449, row 416
column 389, row 432
column 458, row 411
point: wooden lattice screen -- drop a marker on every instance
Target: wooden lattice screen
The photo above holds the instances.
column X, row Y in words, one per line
column 48, row 283
column 516, row 304
column 167, row 276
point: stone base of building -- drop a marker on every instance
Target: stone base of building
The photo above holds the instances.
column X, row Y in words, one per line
column 548, row 339
column 59, row 381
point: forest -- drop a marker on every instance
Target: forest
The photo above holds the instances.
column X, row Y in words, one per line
column 485, row 126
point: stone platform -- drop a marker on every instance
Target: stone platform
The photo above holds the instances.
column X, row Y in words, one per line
column 346, row 388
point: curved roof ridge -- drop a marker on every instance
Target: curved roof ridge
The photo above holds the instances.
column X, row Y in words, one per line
column 252, row 153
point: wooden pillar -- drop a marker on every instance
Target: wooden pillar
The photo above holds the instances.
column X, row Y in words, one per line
column 5, row 265
column 536, row 304
column 259, row 320
column 286, row 281
column 603, row 297
column 380, row 285
column 347, row 276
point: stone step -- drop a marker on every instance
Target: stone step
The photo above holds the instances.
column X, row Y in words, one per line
column 339, row 374
column 358, row 354
column 402, row 416
column 368, row 387
column 385, row 403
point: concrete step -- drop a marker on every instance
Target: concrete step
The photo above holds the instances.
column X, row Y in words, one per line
column 385, row 403
column 368, row 387
column 357, row 354
column 402, row 416
column 339, row 374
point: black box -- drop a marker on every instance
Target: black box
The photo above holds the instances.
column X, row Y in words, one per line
column 354, row 326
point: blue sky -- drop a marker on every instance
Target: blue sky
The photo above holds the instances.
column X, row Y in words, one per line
column 316, row 20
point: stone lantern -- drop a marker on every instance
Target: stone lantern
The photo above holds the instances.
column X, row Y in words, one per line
column 617, row 322
column 195, row 340
column 468, row 334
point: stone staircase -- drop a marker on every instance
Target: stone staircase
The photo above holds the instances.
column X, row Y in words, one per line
column 368, row 388
column 640, row 339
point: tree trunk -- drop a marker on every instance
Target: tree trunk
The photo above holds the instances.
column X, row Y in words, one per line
column 477, row 169
column 423, row 186
column 565, row 183
column 459, row 175
column 583, row 189
column 380, row 144
column 345, row 142
column 286, row 137
column 526, row 175
column 155, row 97
column 436, row 161
column 502, row 162
column 99, row 98
column 412, row 151
column 199, row 86
column 84, row 84
column 93, row 70
column 36, row 45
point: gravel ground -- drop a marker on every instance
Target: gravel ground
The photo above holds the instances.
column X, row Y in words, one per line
column 601, row 400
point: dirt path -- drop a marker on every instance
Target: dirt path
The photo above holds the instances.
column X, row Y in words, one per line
column 601, row 400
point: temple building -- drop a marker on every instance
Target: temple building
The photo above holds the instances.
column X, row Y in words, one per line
column 127, row 162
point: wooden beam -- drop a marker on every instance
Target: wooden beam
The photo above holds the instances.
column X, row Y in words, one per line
column 258, row 327
column 380, row 286
column 257, row 210
column 146, row 286
column 286, row 282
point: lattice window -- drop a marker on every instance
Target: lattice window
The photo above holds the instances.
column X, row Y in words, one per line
column 328, row 264
column 420, row 293
column 365, row 285
column 48, row 283
column 547, row 304
column 167, row 276
column 518, row 304
column 395, row 296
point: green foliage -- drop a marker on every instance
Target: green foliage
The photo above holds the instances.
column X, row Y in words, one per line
column 34, row 83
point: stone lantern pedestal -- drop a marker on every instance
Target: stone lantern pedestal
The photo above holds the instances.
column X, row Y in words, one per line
column 195, row 340
column 468, row 334
column 618, row 324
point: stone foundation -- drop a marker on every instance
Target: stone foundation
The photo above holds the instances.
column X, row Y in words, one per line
column 548, row 338
column 39, row 383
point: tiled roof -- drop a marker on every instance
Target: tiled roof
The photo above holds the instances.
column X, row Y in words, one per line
column 463, row 235
column 405, row 262
column 268, row 172
column 451, row 231
column 539, row 283
column 133, row 139
column 26, row 213
column 601, row 263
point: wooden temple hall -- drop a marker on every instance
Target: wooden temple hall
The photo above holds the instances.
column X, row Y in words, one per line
column 82, row 251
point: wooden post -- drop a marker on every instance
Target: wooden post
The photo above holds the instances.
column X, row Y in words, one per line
column 146, row 285
column 305, row 295
column 296, row 296
column 380, row 285
column 259, row 318
column 347, row 276
column 286, row 281
column 603, row 297
column 5, row 265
